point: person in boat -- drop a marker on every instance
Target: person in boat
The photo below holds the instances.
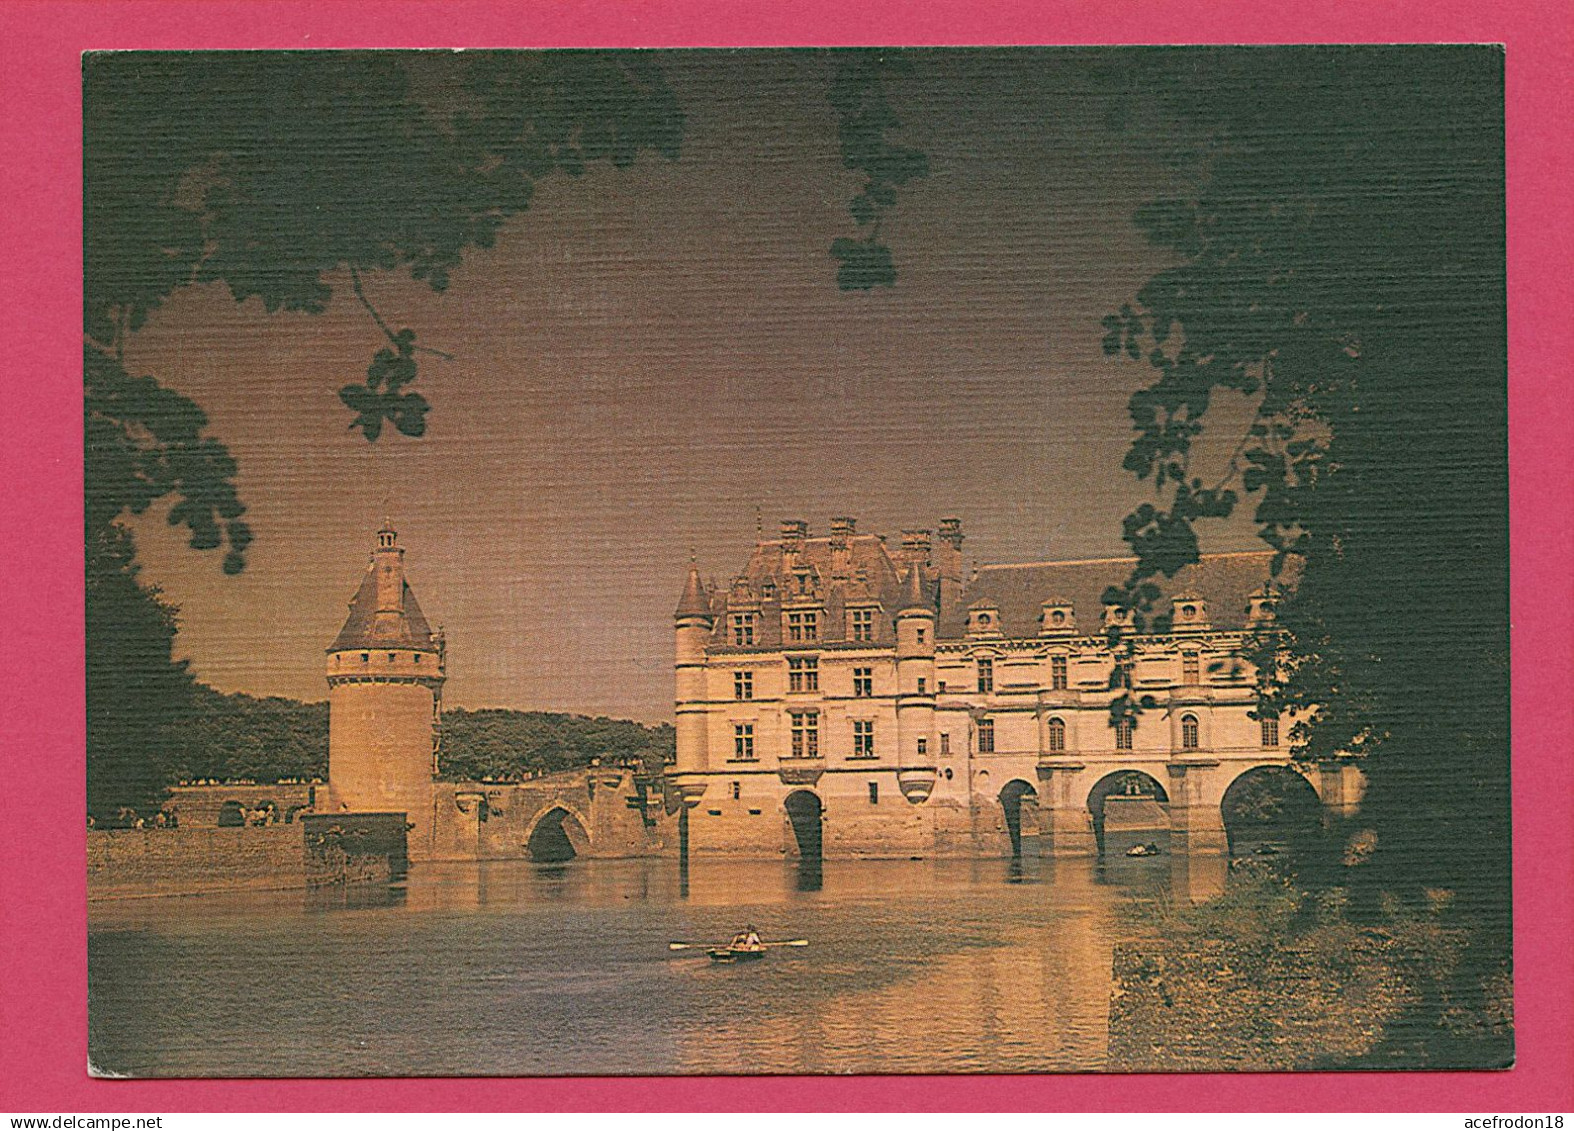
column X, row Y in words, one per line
column 746, row 939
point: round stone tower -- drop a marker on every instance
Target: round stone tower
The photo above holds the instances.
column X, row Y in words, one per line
column 915, row 690
column 385, row 687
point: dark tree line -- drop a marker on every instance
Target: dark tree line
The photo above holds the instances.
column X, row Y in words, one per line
column 228, row 737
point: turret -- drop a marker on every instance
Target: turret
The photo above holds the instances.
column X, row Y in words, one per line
column 385, row 672
column 915, row 689
column 693, row 621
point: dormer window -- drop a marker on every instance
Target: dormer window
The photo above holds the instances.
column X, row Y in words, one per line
column 860, row 624
column 742, row 629
column 803, row 627
column 1056, row 619
column 768, row 591
column 1189, row 613
column 983, row 620
column 1117, row 616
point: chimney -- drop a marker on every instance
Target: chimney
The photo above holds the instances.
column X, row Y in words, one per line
column 915, row 548
column 841, row 557
column 794, row 531
column 948, row 559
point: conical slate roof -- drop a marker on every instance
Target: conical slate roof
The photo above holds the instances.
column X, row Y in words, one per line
column 695, row 602
column 363, row 629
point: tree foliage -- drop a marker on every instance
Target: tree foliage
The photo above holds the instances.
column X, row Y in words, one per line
column 231, row 736
column 137, row 697
column 864, row 117
column 271, row 172
column 1341, row 263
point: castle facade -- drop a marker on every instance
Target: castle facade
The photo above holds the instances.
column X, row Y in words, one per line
column 849, row 697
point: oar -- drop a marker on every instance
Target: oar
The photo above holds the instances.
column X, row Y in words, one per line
column 708, row 946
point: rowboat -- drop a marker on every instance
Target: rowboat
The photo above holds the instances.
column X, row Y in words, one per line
column 745, row 947
column 737, row 953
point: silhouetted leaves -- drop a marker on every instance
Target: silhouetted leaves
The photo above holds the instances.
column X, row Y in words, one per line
column 270, row 172
column 1341, row 258
column 864, row 116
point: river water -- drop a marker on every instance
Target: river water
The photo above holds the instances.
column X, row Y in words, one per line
column 513, row 968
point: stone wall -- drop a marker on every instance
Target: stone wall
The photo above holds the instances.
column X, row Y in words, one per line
column 354, row 848
column 129, row 863
column 198, row 806
column 123, row 863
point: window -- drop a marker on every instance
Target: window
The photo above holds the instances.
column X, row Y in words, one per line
column 945, row 745
column 743, row 742
column 805, row 734
column 1057, row 736
column 874, row 793
column 941, row 687
column 1123, row 732
column 743, row 629
column 923, row 747
column 743, row 685
column 803, row 673
column 366, row 657
column 1190, row 669
column 1058, row 673
column 737, row 790
column 862, row 622
column 986, row 674
column 921, row 634
column 803, row 627
column 923, row 686
column 1122, row 674
column 986, row 736
column 863, row 682
column 1188, row 732
column 418, row 657
column 863, row 738
column 1270, row 730
column 392, row 657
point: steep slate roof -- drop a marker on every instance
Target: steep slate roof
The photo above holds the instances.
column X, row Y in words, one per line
column 361, row 629
column 1224, row 581
column 834, row 581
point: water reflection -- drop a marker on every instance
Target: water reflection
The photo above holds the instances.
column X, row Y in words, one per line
column 518, row 968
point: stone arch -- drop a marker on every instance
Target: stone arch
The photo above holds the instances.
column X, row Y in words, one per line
column 1270, row 805
column 1145, row 816
column 805, row 818
column 556, row 835
column 1019, row 800
column 232, row 815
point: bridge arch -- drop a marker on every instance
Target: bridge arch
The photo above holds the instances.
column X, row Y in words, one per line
column 805, row 818
column 1270, row 805
column 1019, row 800
column 1140, row 787
column 557, row 834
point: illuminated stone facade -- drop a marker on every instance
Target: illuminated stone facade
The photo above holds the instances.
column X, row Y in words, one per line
column 869, row 698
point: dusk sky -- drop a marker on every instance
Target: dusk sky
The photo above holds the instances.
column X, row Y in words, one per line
column 649, row 355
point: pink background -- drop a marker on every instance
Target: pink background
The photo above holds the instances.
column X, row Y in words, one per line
column 43, row 963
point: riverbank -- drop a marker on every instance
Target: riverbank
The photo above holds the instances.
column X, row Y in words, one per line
column 316, row 851
column 1271, row 978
